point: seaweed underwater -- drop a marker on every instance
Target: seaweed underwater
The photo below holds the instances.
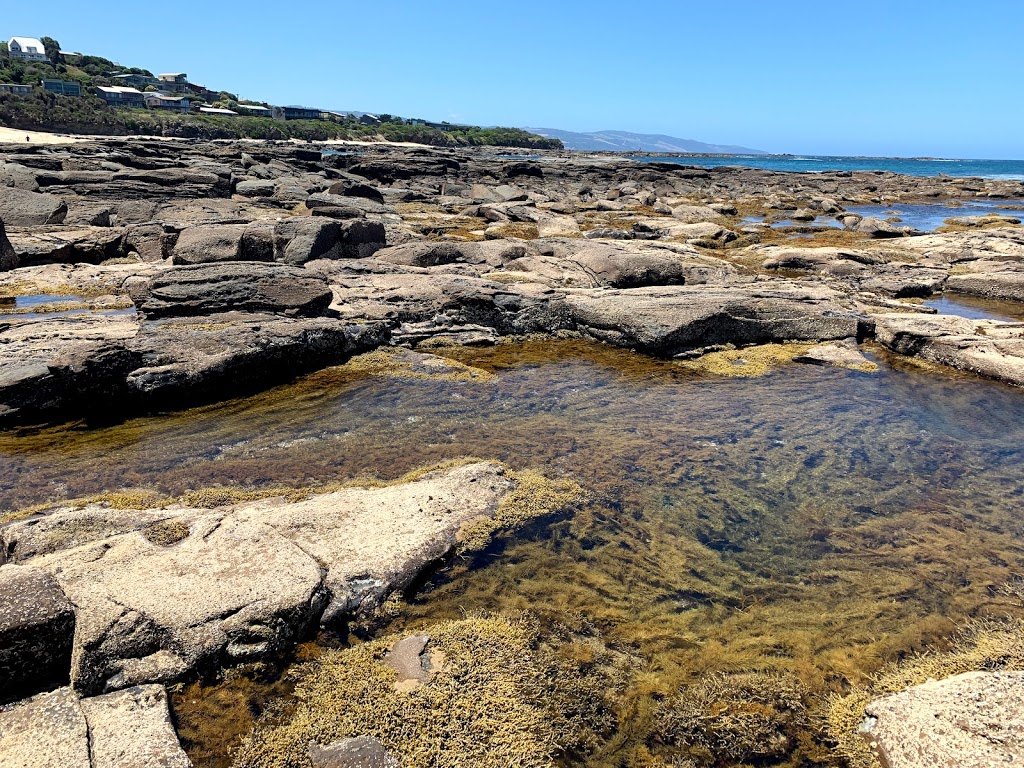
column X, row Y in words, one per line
column 759, row 548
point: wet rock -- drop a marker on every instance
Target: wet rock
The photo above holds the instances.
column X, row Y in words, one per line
column 984, row 347
column 206, row 289
column 21, row 208
column 970, row 721
column 250, row 579
column 128, row 729
column 37, row 623
column 842, row 354
column 991, row 219
column 361, row 752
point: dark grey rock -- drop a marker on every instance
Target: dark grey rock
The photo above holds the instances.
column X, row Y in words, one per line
column 37, row 626
column 361, row 752
column 206, row 289
column 21, row 208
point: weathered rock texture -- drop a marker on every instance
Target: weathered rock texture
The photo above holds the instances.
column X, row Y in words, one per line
column 974, row 720
column 160, row 593
column 127, row 729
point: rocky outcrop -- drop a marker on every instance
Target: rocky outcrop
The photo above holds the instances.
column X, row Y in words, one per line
column 984, row 347
column 970, row 721
column 239, row 286
column 21, row 208
column 127, row 729
column 671, row 321
column 187, row 588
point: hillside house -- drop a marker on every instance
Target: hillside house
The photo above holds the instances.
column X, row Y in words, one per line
column 120, row 96
column 62, row 87
column 174, row 82
column 217, row 111
column 297, row 113
column 133, row 80
column 26, row 48
column 255, row 110
column 167, row 103
column 16, row 89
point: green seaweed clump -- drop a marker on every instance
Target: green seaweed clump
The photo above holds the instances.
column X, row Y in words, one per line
column 498, row 696
column 735, row 719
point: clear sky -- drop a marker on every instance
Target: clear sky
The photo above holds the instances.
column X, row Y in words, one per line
column 911, row 78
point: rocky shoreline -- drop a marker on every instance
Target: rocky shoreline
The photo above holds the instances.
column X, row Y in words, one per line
column 140, row 276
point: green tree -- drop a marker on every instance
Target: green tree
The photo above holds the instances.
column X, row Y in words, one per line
column 52, row 48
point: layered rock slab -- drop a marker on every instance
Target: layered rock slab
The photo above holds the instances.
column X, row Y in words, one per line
column 985, row 347
column 673, row 320
column 242, row 582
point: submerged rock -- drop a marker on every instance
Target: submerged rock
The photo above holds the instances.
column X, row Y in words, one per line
column 360, row 752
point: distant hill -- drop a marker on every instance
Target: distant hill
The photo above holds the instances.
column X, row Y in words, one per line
column 621, row 141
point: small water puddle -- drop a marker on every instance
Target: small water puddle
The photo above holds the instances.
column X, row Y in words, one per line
column 976, row 308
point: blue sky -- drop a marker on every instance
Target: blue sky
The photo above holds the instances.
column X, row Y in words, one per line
column 877, row 78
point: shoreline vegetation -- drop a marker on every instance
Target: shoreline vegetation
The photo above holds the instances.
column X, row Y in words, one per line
column 90, row 116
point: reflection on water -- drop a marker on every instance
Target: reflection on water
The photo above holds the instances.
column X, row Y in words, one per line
column 975, row 308
column 817, row 521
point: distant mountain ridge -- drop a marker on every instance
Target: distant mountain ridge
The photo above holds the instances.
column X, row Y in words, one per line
column 622, row 141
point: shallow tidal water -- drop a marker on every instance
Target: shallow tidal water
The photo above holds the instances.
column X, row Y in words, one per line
column 815, row 521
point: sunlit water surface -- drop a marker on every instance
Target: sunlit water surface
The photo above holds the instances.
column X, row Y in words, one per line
column 815, row 520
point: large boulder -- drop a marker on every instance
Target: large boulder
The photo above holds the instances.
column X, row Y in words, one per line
column 672, row 320
column 244, row 286
column 223, row 242
column 22, row 208
column 971, row 720
column 37, row 623
column 299, row 239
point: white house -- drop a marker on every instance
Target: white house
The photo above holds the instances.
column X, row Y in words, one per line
column 26, row 48
column 217, row 111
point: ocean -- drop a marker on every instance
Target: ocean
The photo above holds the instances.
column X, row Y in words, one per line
column 991, row 169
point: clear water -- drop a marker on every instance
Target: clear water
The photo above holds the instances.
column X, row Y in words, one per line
column 993, row 169
column 977, row 309
column 925, row 217
column 815, row 521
